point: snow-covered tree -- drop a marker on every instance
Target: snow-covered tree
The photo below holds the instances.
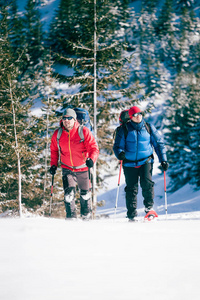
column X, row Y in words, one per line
column 33, row 35
column 47, row 89
column 18, row 157
column 182, row 138
column 98, row 54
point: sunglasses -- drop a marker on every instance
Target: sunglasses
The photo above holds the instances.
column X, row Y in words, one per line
column 67, row 118
column 137, row 114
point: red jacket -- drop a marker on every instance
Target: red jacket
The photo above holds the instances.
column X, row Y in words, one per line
column 73, row 152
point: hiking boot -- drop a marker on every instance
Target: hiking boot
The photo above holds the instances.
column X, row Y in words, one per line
column 147, row 209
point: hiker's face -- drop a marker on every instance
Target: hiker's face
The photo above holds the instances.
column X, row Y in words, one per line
column 137, row 118
column 68, row 122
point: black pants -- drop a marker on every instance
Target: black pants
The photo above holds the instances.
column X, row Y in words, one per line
column 132, row 176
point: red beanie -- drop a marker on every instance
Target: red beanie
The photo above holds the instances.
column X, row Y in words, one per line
column 133, row 110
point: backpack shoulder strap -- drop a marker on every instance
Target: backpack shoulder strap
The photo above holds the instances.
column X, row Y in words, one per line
column 125, row 130
column 116, row 131
column 148, row 127
column 60, row 130
column 80, row 132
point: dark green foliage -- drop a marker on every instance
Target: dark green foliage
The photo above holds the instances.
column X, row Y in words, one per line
column 183, row 136
column 15, row 106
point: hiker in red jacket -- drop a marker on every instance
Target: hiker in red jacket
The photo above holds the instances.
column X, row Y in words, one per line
column 76, row 156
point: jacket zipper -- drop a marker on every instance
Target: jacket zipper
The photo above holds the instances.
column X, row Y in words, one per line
column 136, row 146
column 70, row 153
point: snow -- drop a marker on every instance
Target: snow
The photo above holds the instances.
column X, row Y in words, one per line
column 107, row 258
column 45, row 258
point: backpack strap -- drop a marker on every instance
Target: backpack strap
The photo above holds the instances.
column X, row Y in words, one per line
column 148, row 127
column 60, row 130
column 125, row 129
column 80, row 132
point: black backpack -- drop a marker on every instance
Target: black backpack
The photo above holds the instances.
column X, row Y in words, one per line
column 124, row 118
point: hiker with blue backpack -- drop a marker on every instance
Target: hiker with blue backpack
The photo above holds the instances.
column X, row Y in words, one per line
column 75, row 146
column 134, row 144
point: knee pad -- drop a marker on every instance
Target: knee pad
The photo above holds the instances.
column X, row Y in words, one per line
column 69, row 195
column 85, row 195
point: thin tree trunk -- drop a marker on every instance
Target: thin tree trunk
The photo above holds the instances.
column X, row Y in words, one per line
column 46, row 152
column 95, row 105
column 17, row 153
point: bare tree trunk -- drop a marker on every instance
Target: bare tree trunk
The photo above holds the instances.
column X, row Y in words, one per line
column 95, row 105
column 46, row 152
column 17, row 153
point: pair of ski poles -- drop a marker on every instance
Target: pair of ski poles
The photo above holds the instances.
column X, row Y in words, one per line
column 117, row 196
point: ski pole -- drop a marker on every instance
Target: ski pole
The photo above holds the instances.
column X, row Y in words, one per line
column 51, row 195
column 165, row 193
column 120, row 169
column 89, row 173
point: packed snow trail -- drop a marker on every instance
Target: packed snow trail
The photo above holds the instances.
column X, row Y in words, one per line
column 110, row 259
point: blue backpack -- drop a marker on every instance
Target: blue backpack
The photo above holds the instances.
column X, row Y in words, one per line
column 83, row 117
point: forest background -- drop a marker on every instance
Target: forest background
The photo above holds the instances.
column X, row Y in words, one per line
column 143, row 53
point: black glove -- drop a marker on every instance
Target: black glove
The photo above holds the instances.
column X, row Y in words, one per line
column 89, row 163
column 164, row 165
column 121, row 156
column 52, row 170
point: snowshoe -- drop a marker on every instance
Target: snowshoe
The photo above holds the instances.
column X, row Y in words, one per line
column 86, row 217
column 132, row 219
column 151, row 215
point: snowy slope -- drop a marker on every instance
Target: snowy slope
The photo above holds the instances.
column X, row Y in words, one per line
column 53, row 259
column 108, row 259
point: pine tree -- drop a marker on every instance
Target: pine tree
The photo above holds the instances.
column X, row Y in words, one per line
column 63, row 28
column 16, row 36
column 111, row 68
column 33, row 35
column 150, row 71
column 47, row 92
column 183, row 116
column 18, row 160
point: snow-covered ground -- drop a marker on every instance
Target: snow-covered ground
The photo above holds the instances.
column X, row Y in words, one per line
column 111, row 259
